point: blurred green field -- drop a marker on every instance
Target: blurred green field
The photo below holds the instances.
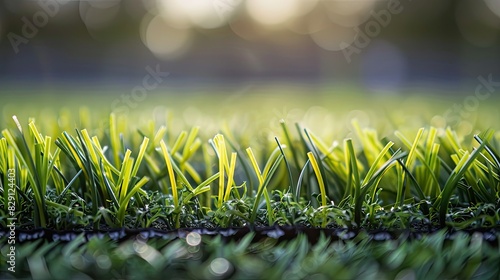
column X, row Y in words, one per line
column 328, row 111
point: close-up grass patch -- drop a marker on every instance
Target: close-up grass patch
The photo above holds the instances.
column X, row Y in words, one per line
column 293, row 194
column 249, row 139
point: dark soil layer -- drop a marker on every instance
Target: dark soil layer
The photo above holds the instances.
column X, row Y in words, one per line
column 282, row 233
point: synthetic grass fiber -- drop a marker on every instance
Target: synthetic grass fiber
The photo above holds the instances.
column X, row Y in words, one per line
column 242, row 164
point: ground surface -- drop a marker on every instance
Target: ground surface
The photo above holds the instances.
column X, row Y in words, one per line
column 328, row 185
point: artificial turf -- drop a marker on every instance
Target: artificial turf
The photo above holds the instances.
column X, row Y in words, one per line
column 354, row 168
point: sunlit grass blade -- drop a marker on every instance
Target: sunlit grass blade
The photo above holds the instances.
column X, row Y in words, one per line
column 413, row 147
column 359, row 199
column 263, row 181
column 220, row 146
column 321, row 183
column 202, row 187
column 140, row 155
column 255, row 166
column 22, row 151
column 491, row 152
column 173, row 183
column 465, row 162
column 319, row 165
column 125, row 201
column 230, row 176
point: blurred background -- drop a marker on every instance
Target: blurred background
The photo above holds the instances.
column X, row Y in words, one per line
column 389, row 46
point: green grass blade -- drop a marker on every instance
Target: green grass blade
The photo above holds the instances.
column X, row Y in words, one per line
column 457, row 174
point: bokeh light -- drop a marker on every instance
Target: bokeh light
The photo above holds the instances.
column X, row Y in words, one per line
column 78, row 261
column 337, row 27
column 172, row 12
column 98, row 14
column 164, row 40
column 220, row 267
column 333, row 37
column 477, row 24
column 349, row 8
column 201, row 13
column 304, row 31
column 103, row 262
column 305, row 7
column 193, row 239
column 186, row 14
column 494, row 6
column 272, row 12
column 145, row 251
